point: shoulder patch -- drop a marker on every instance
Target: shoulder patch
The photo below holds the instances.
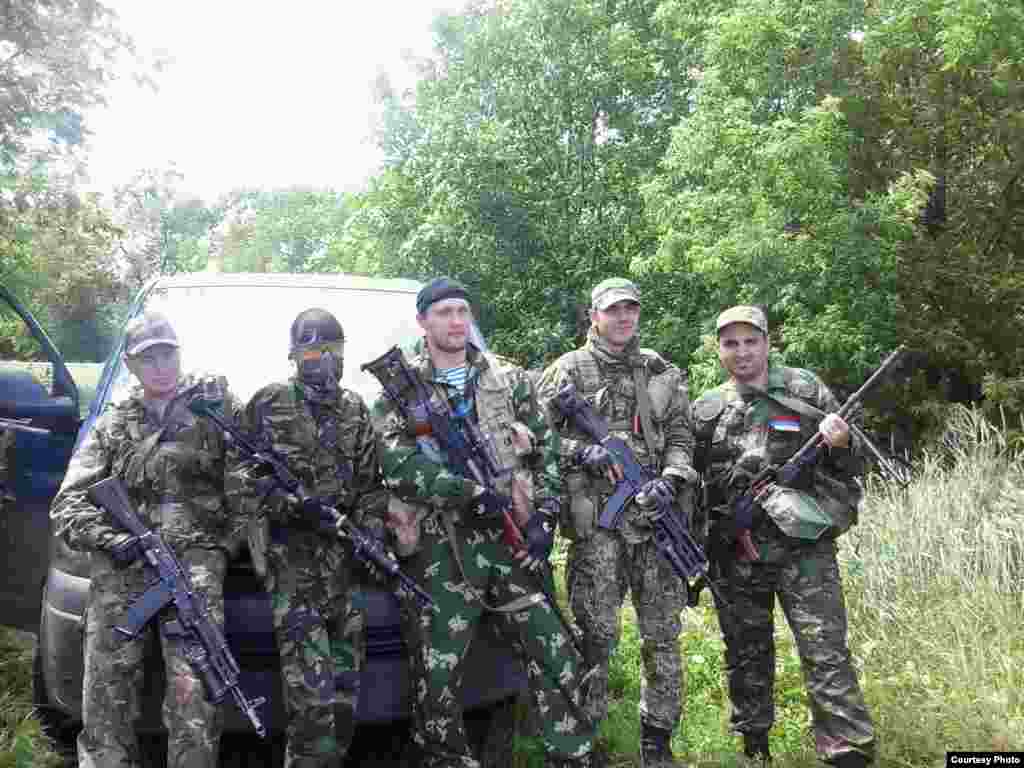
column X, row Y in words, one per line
column 709, row 406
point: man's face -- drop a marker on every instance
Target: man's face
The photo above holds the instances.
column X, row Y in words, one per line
column 157, row 369
column 617, row 324
column 446, row 324
column 743, row 352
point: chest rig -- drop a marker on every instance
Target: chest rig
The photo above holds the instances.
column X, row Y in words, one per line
column 633, row 403
column 171, row 464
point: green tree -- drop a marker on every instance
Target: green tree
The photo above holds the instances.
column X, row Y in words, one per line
column 516, row 166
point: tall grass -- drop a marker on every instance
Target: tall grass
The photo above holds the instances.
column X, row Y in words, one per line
column 22, row 743
column 934, row 586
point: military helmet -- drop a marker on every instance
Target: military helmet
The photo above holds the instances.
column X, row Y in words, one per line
column 313, row 327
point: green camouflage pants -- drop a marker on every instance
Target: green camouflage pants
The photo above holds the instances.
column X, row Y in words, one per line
column 320, row 641
column 440, row 639
column 114, row 670
column 805, row 578
column 599, row 572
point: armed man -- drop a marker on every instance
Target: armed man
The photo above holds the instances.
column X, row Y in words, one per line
column 450, row 525
column 323, row 432
column 747, row 427
column 171, row 462
column 645, row 402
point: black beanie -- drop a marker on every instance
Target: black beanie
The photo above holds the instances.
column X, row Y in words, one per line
column 437, row 289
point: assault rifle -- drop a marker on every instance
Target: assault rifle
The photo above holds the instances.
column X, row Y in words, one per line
column 671, row 537
column 364, row 546
column 747, row 508
column 467, row 455
column 208, row 651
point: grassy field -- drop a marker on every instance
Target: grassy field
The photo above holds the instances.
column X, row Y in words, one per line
column 933, row 578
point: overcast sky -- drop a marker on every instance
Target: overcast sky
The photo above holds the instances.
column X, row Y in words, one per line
column 256, row 94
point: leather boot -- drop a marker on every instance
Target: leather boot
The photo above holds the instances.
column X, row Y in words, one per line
column 655, row 749
column 851, row 760
column 755, row 750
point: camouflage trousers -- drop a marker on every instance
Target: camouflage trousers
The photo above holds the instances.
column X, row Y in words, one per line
column 599, row 572
column 805, row 578
column 114, row 669
column 440, row 639
column 320, row 641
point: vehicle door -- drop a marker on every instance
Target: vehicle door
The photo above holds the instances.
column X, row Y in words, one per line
column 39, row 418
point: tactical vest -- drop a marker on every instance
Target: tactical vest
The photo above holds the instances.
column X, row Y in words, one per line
column 317, row 439
column 490, row 392
column 173, row 472
column 615, row 399
column 738, row 436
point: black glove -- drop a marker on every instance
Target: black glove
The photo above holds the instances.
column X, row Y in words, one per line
column 540, row 538
column 487, row 503
column 595, row 458
column 125, row 552
column 656, row 494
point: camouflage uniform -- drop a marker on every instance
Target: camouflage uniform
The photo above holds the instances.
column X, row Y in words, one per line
column 739, row 432
column 327, row 441
column 172, row 467
column 603, row 565
column 476, row 571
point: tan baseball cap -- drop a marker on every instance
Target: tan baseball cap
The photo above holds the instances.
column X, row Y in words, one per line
column 614, row 289
column 148, row 330
column 743, row 314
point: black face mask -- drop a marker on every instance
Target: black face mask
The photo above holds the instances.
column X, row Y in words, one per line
column 322, row 373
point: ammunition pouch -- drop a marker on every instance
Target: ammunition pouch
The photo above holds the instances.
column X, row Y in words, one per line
column 579, row 516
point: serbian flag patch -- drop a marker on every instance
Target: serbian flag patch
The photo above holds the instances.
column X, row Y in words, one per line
column 785, row 424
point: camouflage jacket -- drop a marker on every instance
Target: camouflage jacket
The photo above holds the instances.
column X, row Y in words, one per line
column 328, row 445
column 172, row 467
column 740, row 432
column 414, row 468
column 608, row 382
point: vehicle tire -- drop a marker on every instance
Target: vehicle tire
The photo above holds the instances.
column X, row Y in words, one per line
column 61, row 729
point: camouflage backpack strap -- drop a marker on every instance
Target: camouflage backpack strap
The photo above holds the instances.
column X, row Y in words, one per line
column 707, row 412
column 643, row 406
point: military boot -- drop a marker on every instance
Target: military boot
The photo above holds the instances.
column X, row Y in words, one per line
column 851, row 760
column 655, row 751
column 755, row 750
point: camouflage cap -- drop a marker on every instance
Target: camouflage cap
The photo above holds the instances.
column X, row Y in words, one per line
column 614, row 289
column 148, row 330
column 743, row 314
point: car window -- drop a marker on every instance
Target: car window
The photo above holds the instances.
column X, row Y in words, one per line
column 24, row 368
column 241, row 331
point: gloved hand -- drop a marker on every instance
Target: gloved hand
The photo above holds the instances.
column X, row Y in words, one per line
column 597, row 459
column 656, row 493
column 486, row 503
column 540, row 537
column 124, row 551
